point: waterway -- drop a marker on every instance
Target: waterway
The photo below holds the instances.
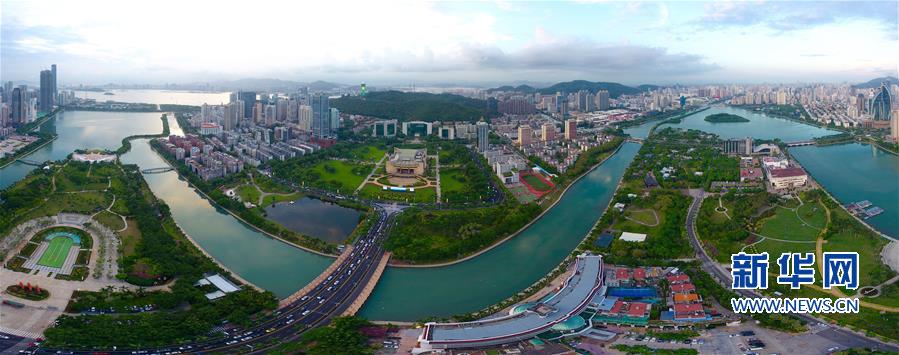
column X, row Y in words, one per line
column 313, row 217
column 266, row 262
column 408, row 294
column 81, row 130
column 760, row 126
column 854, row 172
column 194, row 98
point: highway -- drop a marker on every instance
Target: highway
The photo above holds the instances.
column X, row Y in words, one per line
column 326, row 300
column 836, row 334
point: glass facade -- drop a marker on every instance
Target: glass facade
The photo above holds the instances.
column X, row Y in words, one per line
column 880, row 106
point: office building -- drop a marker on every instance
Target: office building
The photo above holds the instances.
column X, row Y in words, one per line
column 231, row 115
column 447, row 133
column 46, row 98
column 571, row 129
column 882, row 103
column 321, row 116
column 384, row 128
column 417, row 128
column 738, row 146
column 894, row 125
column 249, row 100
column 335, row 121
column 304, row 118
column 17, row 106
column 483, row 136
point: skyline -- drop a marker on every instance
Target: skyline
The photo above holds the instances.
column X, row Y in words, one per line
column 468, row 43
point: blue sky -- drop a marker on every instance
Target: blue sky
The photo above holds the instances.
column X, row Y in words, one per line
column 481, row 43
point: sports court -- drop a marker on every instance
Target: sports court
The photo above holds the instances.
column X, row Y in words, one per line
column 56, row 253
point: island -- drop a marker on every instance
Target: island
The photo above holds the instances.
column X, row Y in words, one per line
column 725, row 117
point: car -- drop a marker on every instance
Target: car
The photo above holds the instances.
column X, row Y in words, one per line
column 322, row 301
column 304, row 298
column 232, row 342
column 306, row 312
column 3, row 336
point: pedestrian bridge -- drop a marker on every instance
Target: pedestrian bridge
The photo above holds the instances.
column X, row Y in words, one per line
column 157, row 170
column 30, row 162
column 799, row 144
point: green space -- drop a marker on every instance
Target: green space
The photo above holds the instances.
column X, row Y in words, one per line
column 722, row 236
column 32, row 293
column 871, row 322
column 645, row 216
column 725, row 117
column 786, row 224
column 695, row 157
column 536, row 183
column 110, row 220
column 643, row 349
column 431, row 236
column 420, row 195
column 56, row 252
column 341, row 336
column 461, row 178
column 130, row 238
column 370, row 153
column 340, row 175
column 248, row 193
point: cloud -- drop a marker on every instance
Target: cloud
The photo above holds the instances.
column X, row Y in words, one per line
column 797, row 15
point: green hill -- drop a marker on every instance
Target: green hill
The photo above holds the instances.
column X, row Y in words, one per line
column 526, row 89
column 409, row 106
column 615, row 89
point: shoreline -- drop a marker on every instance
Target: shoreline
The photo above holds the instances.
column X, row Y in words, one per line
column 523, row 228
column 241, row 220
column 23, row 155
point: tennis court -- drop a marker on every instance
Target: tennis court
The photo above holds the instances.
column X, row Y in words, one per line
column 57, row 251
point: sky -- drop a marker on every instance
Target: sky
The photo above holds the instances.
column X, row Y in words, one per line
column 449, row 42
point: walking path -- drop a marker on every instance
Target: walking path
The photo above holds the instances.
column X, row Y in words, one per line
column 654, row 215
column 373, row 170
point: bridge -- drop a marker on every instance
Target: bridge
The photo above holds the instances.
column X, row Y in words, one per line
column 157, row 170
column 634, row 140
column 30, row 162
column 340, row 290
column 800, row 143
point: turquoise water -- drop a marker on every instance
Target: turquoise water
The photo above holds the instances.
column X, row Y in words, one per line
column 855, row 172
column 264, row 261
column 84, row 129
column 408, row 294
column 759, row 126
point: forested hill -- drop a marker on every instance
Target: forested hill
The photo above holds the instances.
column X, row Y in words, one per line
column 615, row 89
column 409, row 106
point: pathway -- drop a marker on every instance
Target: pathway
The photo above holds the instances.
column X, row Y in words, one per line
column 437, row 172
column 654, row 215
column 263, row 194
column 373, row 170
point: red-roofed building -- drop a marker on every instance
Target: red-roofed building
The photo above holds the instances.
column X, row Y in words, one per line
column 683, row 288
column 638, row 310
column 627, row 312
column 689, row 311
column 679, row 278
column 639, row 273
column 622, row 274
column 750, row 174
column 787, row 177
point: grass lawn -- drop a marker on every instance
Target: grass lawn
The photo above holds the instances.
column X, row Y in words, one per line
column 775, row 248
column 450, row 180
column 248, row 193
column 369, row 153
column 130, row 238
column 87, row 203
column 871, row 270
column 812, row 214
column 56, row 253
column 110, row 220
column 427, row 194
column 785, row 224
column 341, row 173
column 644, row 216
column 536, row 183
column 270, row 199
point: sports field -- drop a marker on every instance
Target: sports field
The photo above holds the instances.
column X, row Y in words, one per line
column 56, row 253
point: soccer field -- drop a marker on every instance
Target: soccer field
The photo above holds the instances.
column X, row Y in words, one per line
column 56, row 253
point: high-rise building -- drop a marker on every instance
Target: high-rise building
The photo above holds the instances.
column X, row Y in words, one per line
column 46, row 99
column 602, row 100
column 55, row 93
column 304, row 118
column 894, row 125
column 335, row 121
column 321, row 116
column 860, row 103
column 17, row 106
column 525, row 133
column 738, row 146
column 548, row 132
column 4, row 115
column 571, row 129
column 483, row 136
column 881, row 104
column 249, row 100
column 233, row 112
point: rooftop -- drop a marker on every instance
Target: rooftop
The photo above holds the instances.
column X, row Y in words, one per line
column 786, row 172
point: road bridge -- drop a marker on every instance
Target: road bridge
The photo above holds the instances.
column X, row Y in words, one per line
column 800, row 143
column 328, row 297
column 30, row 162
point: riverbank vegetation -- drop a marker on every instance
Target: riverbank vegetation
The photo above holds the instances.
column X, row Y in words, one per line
column 725, row 117
column 433, row 236
column 250, row 215
column 126, row 142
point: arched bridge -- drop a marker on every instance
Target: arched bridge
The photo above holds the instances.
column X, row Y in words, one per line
column 157, row 170
column 801, row 143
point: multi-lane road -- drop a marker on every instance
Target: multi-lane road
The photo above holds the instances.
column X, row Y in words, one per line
column 835, row 334
column 327, row 299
